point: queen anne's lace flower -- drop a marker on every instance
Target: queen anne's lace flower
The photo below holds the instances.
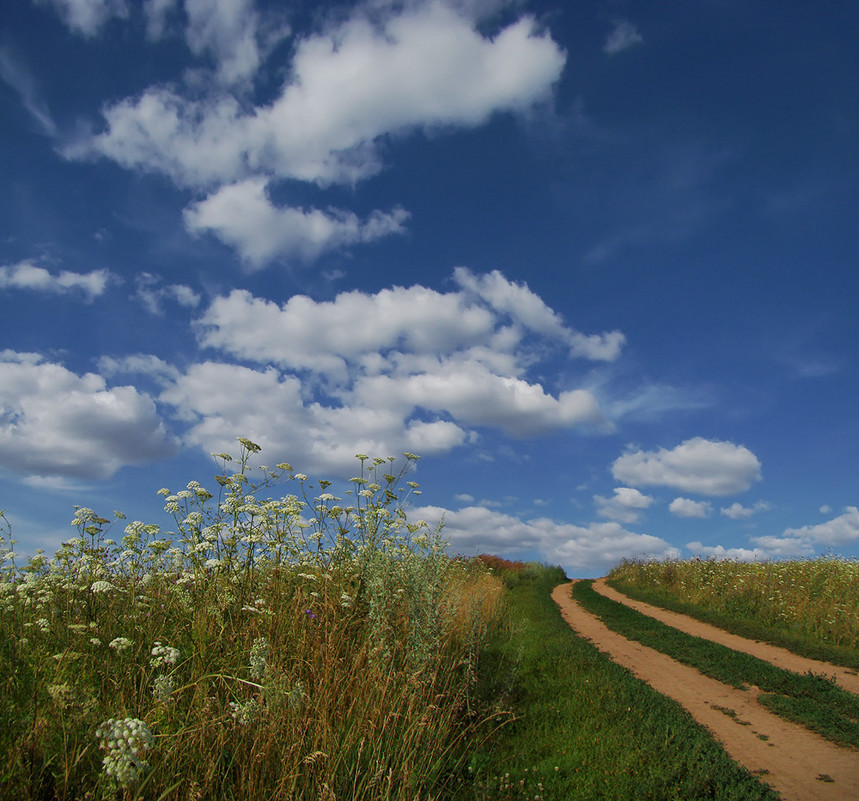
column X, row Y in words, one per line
column 120, row 644
column 259, row 655
column 102, row 586
column 163, row 656
column 124, row 742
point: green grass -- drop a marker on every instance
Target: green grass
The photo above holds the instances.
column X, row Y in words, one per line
column 584, row 727
column 812, row 700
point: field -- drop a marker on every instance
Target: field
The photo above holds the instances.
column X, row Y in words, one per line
column 809, row 606
column 291, row 648
column 310, row 647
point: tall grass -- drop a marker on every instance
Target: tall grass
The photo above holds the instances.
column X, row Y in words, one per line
column 279, row 648
column 815, row 601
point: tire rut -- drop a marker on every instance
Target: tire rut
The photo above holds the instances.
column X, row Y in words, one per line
column 796, row 762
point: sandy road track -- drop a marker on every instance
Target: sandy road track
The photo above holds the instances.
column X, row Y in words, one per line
column 845, row 677
column 796, row 762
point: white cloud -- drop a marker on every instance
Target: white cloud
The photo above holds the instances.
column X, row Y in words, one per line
column 530, row 311
column 625, row 506
column 423, row 66
column 706, row 467
column 139, row 364
column 401, row 323
column 736, row 511
column 402, row 369
column 242, row 216
column 156, row 13
column 826, row 509
column 26, row 275
column 87, row 17
column 227, row 31
column 222, row 401
column 623, row 36
column 836, row 533
column 54, row 422
column 152, row 293
column 686, row 507
column 720, row 553
column 594, row 548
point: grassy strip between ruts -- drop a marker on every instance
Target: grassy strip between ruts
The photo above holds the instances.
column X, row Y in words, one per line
column 586, row 728
column 812, row 700
column 744, row 627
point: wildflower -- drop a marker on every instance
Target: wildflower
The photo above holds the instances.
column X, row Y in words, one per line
column 346, row 600
column 44, row 624
column 102, row 587
column 95, row 641
column 120, row 644
column 245, row 713
column 259, row 655
column 163, row 656
column 296, row 695
column 124, row 742
column 309, row 613
column 162, row 689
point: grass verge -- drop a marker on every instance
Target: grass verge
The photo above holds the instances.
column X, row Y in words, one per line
column 811, row 700
column 584, row 727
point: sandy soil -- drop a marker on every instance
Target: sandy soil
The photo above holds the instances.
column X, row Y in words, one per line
column 796, row 762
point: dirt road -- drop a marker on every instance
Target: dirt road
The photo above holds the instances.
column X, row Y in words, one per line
column 796, row 762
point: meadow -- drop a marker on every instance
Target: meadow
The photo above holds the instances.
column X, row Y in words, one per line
column 292, row 647
column 809, row 606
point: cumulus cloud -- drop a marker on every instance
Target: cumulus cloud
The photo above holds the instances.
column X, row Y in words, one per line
column 348, row 86
column 721, row 553
column 736, row 511
column 686, row 507
column 402, row 369
column 29, row 276
column 705, row 467
column 242, row 216
column 139, row 364
column 230, row 32
column 623, row 36
column 385, row 70
column 592, row 549
column 87, row 17
column 416, row 323
column 531, row 312
column 837, row 533
column 625, row 506
column 54, row 422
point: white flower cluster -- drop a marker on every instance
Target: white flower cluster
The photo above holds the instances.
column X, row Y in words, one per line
column 162, row 689
column 164, row 655
column 246, row 712
column 102, row 587
column 125, row 742
column 120, row 644
column 259, row 655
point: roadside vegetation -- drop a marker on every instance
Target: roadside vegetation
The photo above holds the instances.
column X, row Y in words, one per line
column 809, row 606
column 815, row 701
column 583, row 727
column 300, row 647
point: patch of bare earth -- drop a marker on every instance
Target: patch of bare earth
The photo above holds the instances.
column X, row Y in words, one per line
column 796, row 762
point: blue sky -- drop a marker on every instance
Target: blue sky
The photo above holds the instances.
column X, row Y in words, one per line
column 595, row 262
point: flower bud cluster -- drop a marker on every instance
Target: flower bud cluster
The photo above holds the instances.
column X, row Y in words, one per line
column 125, row 742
